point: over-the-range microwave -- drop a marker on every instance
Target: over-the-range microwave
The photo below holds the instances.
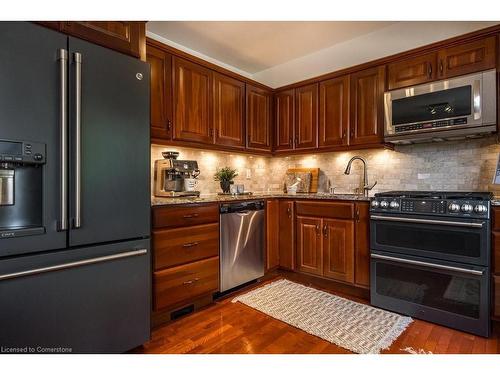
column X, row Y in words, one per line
column 443, row 110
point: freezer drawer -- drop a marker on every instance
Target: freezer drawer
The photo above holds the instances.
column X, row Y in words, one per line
column 88, row 300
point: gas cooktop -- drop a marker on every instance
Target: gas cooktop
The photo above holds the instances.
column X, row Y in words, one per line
column 482, row 195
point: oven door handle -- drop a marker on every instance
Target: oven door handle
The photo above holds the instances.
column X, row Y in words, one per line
column 428, row 221
column 426, row 264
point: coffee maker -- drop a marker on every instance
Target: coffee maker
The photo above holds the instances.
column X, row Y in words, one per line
column 170, row 175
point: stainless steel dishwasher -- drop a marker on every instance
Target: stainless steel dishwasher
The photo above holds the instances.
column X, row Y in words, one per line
column 241, row 243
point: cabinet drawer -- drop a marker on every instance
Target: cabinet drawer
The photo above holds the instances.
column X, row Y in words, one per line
column 183, row 245
column 496, row 296
column 182, row 216
column 182, row 283
column 335, row 210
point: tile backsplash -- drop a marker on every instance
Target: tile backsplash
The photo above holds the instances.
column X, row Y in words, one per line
column 456, row 165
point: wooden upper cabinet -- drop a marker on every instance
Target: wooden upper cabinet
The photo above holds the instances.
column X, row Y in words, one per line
column 333, row 112
column 338, row 249
column 284, row 120
column 309, row 247
column 412, row 71
column 367, row 106
column 125, row 36
column 258, row 118
column 286, row 234
column 160, row 92
column 192, row 102
column 467, row 58
column 306, row 116
column 229, row 111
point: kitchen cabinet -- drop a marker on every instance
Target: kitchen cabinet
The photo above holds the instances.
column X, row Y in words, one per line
column 229, row 111
column 272, row 233
column 467, row 58
column 362, row 245
column 333, row 112
column 309, row 247
column 306, row 117
column 338, row 249
column 284, row 120
column 412, row 71
column 192, row 102
column 495, row 264
column 496, row 297
column 287, row 234
column 367, row 106
column 258, row 118
column 160, row 93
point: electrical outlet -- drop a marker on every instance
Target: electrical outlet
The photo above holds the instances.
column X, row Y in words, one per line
column 249, row 173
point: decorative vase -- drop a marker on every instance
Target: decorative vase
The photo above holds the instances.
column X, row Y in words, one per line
column 225, row 185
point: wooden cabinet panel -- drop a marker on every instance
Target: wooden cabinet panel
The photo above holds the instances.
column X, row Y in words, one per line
column 306, row 116
column 338, row 249
column 177, row 246
column 272, row 233
column 125, row 36
column 284, row 120
column 412, row 71
column 495, row 249
column 367, row 109
column 496, row 296
column 178, row 284
column 229, row 111
column 182, row 216
column 258, row 118
column 467, row 58
column 192, row 102
column 333, row 112
column 495, row 225
column 362, row 245
column 334, row 210
column 309, row 247
column 287, row 235
column 160, row 92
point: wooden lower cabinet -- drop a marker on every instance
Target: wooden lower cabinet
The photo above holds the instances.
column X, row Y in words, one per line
column 287, row 234
column 362, row 245
column 338, row 249
column 272, row 234
column 496, row 297
column 180, row 284
column 309, row 247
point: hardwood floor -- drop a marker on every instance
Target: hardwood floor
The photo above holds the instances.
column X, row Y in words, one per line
column 230, row 328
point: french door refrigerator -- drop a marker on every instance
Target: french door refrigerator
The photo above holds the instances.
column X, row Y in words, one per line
column 74, row 195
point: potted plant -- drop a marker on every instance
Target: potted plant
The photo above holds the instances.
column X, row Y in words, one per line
column 226, row 178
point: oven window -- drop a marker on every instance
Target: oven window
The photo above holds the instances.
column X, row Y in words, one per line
column 456, row 294
column 452, row 242
column 433, row 106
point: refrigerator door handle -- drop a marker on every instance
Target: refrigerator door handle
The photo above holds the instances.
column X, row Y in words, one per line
column 62, row 57
column 77, row 58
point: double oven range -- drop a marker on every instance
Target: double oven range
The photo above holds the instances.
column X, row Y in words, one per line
column 430, row 257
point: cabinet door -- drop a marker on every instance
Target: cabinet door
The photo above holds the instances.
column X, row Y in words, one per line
column 258, row 118
column 286, row 235
column 467, row 58
column 309, row 246
column 272, row 233
column 125, row 36
column 362, row 245
column 229, row 111
column 333, row 112
column 367, row 107
column 192, row 102
column 412, row 71
column 338, row 249
column 496, row 296
column 306, row 116
column 285, row 113
column 160, row 92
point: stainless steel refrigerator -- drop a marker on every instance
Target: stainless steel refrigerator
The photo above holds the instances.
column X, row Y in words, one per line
column 74, row 194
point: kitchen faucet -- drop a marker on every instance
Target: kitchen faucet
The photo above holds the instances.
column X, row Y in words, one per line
column 366, row 186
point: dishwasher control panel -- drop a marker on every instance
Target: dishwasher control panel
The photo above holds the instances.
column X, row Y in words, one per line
column 241, row 206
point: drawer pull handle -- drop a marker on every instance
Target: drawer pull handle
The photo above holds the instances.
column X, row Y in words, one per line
column 190, row 216
column 190, row 282
column 190, row 244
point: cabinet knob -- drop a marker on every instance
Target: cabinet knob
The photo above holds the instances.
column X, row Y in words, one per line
column 429, row 70
column 169, row 124
column 325, row 230
column 441, row 66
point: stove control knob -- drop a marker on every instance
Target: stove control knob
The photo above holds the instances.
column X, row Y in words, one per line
column 375, row 204
column 394, row 204
column 384, row 204
column 453, row 207
column 466, row 207
column 480, row 209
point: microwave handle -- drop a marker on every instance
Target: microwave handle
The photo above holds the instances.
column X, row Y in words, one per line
column 476, row 99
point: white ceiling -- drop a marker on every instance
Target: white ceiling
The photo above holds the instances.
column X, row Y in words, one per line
column 258, row 45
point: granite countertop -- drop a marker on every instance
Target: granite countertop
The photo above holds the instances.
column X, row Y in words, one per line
column 206, row 198
column 495, row 201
